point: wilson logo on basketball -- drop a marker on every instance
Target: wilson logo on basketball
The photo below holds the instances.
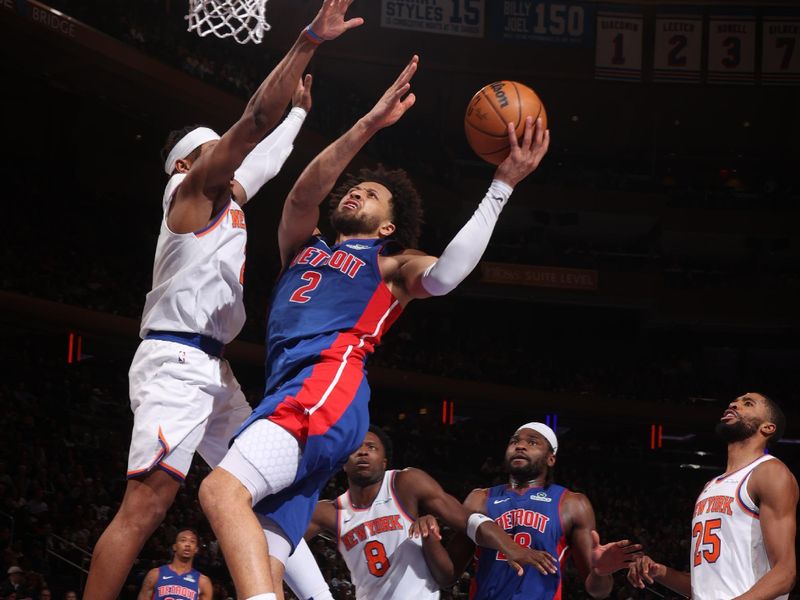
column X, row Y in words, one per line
column 502, row 99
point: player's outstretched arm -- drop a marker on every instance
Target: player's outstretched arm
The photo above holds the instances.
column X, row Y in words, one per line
column 425, row 276
column 645, row 571
column 481, row 529
column 207, row 185
column 595, row 562
column 301, row 209
column 269, row 156
column 774, row 487
column 148, row 585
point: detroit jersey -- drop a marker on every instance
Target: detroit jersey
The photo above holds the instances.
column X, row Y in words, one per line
column 384, row 563
column 328, row 297
column 172, row 586
column 197, row 277
column 533, row 519
column 727, row 550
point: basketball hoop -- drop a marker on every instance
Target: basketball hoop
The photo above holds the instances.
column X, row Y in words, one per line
column 243, row 20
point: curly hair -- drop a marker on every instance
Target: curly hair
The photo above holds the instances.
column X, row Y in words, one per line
column 175, row 136
column 386, row 442
column 406, row 201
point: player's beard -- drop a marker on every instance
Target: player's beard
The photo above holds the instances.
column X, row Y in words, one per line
column 737, row 431
column 366, row 479
column 350, row 223
column 530, row 471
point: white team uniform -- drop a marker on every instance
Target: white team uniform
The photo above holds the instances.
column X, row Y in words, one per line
column 384, row 563
column 184, row 399
column 727, row 551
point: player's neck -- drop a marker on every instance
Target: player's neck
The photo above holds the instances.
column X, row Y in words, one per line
column 340, row 238
column 180, row 566
column 741, row 454
column 527, row 483
column 363, row 497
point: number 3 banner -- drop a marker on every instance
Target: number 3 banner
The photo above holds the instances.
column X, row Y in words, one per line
column 618, row 49
column 731, row 49
column 678, row 47
column 780, row 56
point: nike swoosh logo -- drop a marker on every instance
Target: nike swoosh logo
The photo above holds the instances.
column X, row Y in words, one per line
column 170, row 577
column 501, row 501
column 498, row 198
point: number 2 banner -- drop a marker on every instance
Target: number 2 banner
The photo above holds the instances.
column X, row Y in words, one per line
column 780, row 55
column 731, row 49
column 618, row 48
column 678, row 47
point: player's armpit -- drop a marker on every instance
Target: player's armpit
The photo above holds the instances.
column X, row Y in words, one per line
column 408, row 278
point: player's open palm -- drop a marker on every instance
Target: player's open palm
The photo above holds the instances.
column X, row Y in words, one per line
column 611, row 557
column 302, row 93
column 396, row 100
column 643, row 570
column 330, row 22
column 525, row 156
column 519, row 557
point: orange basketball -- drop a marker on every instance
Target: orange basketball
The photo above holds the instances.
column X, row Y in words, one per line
column 492, row 109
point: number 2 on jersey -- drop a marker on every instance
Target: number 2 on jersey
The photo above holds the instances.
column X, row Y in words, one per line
column 706, row 536
column 377, row 561
column 300, row 295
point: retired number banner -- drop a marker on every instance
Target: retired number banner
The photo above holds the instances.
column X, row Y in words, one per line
column 678, row 47
column 780, row 54
column 731, row 49
column 451, row 17
column 618, row 48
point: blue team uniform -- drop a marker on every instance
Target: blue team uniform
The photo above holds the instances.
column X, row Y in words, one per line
column 533, row 519
column 172, row 586
column 329, row 310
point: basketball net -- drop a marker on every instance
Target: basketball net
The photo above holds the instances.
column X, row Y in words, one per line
column 243, row 20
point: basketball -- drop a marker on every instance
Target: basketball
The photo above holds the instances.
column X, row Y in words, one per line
column 492, row 109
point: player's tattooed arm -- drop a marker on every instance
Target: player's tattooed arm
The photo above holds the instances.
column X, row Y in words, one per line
column 323, row 519
column 773, row 487
column 301, row 209
column 595, row 562
column 148, row 585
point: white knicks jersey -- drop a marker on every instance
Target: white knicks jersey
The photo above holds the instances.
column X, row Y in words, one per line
column 384, row 563
column 727, row 551
column 197, row 277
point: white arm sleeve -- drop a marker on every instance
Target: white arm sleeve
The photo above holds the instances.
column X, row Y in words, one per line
column 465, row 250
column 267, row 158
column 303, row 575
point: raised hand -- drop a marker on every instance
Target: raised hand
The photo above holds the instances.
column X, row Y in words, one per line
column 330, row 22
column 302, row 94
column 643, row 570
column 525, row 157
column 392, row 104
column 542, row 561
column 425, row 526
column 612, row 557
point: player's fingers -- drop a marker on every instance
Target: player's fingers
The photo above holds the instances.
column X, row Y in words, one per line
column 517, row 567
column 308, row 82
column 408, row 72
column 527, row 137
column 538, row 137
column 353, row 23
column 408, row 102
column 512, row 137
column 633, row 549
column 595, row 535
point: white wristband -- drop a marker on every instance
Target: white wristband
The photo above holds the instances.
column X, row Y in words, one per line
column 475, row 520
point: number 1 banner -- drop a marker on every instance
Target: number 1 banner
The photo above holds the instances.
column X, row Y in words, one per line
column 731, row 49
column 618, row 48
column 678, row 47
column 780, row 56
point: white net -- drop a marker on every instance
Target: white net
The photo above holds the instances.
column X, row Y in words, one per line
column 243, row 20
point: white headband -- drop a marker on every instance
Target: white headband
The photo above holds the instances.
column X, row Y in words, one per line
column 187, row 144
column 548, row 433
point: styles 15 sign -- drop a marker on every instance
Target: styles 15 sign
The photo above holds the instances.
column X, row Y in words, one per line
column 451, row 17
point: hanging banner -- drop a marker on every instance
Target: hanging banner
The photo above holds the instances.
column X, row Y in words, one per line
column 565, row 23
column 618, row 45
column 731, row 49
column 451, row 17
column 780, row 51
column 539, row 276
column 678, row 47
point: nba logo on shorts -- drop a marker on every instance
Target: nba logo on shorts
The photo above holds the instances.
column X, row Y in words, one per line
column 182, row 357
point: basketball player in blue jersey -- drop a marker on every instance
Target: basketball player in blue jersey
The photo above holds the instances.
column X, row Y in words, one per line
column 183, row 394
column 178, row 580
column 538, row 514
column 333, row 302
